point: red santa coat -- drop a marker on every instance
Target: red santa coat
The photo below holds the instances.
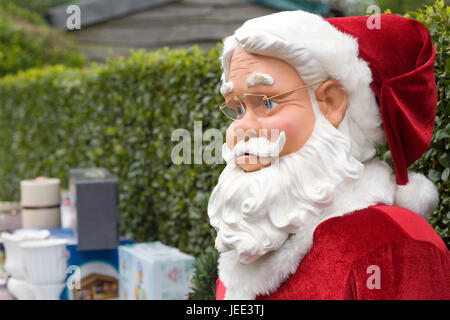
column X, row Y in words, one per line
column 381, row 245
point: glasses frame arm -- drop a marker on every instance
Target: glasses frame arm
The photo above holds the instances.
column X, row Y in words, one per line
column 290, row 91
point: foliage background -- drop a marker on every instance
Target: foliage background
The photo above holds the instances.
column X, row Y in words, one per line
column 26, row 41
column 121, row 115
column 359, row 7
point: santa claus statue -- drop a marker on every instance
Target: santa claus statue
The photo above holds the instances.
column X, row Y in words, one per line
column 304, row 209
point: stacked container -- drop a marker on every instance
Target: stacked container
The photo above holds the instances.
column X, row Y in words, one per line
column 36, row 263
column 45, row 263
column 40, row 202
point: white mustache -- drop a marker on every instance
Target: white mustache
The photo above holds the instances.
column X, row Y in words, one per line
column 256, row 146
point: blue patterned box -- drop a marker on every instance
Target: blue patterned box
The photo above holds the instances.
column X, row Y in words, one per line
column 96, row 271
column 154, row 271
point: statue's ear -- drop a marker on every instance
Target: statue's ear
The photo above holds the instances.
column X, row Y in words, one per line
column 332, row 100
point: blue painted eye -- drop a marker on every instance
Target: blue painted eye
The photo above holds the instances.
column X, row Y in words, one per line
column 269, row 104
column 240, row 111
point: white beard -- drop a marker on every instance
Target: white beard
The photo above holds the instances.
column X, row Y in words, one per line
column 255, row 212
column 269, row 216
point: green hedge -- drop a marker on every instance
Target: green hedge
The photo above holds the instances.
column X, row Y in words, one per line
column 401, row 6
column 121, row 116
column 26, row 41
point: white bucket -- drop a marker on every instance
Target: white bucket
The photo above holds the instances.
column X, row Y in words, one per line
column 45, row 261
column 20, row 289
column 47, row 291
column 14, row 261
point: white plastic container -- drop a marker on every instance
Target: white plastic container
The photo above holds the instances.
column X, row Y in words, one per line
column 43, row 218
column 68, row 214
column 48, row 291
column 20, row 289
column 13, row 252
column 45, row 261
column 40, row 192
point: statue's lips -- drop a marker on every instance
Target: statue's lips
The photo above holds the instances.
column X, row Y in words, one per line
column 248, row 158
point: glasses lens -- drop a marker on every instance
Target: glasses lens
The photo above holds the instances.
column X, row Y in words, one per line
column 259, row 105
column 233, row 110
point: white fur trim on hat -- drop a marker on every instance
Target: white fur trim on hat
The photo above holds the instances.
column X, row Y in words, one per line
column 419, row 195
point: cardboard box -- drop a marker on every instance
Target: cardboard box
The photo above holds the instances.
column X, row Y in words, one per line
column 154, row 271
column 96, row 271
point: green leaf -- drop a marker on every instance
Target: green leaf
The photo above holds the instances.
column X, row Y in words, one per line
column 445, row 174
column 447, row 65
column 442, row 134
column 434, row 175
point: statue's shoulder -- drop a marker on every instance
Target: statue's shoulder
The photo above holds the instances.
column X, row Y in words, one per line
column 366, row 229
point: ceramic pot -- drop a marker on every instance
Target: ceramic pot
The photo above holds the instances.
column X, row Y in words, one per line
column 20, row 289
column 45, row 261
column 48, row 291
column 14, row 263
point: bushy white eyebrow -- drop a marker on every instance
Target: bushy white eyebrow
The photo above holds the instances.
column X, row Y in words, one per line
column 259, row 78
column 226, row 88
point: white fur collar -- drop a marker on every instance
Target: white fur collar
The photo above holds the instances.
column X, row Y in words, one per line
column 265, row 275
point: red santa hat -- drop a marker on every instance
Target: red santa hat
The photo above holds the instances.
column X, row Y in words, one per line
column 386, row 68
column 401, row 56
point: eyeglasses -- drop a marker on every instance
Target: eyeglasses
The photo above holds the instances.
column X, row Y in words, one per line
column 260, row 104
